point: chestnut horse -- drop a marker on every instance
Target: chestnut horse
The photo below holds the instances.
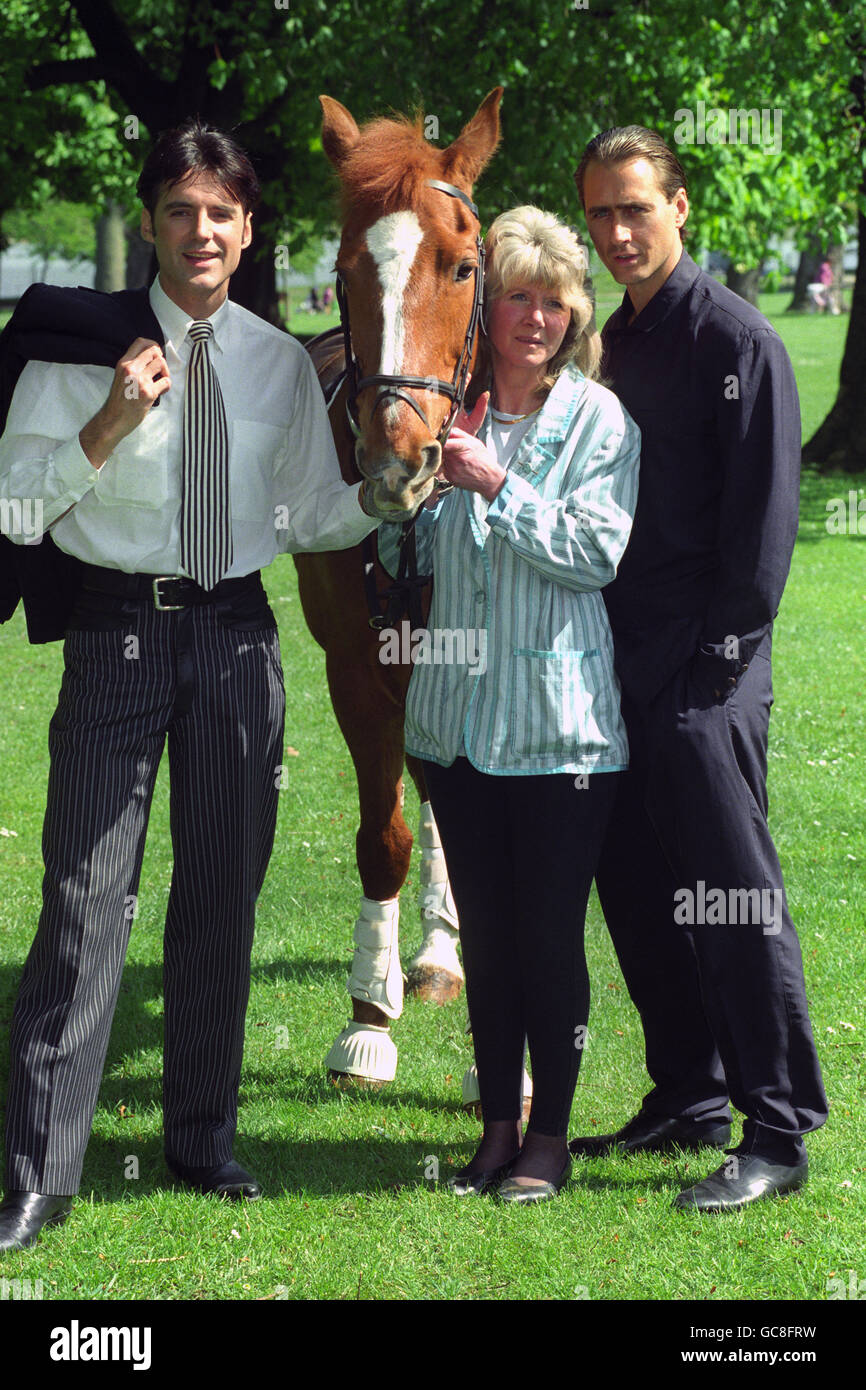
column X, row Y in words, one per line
column 409, row 267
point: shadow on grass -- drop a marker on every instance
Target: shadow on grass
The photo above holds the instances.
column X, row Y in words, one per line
column 138, row 1027
column 130, row 1099
column 335, row 1167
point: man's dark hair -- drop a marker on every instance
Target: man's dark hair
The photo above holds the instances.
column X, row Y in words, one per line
column 624, row 142
column 193, row 149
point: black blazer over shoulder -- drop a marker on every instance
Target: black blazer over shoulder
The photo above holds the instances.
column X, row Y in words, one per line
column 51, row 324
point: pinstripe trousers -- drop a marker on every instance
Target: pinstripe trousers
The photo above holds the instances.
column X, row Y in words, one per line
column 208, row 678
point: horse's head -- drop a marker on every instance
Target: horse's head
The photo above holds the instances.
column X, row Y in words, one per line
column 409, row 269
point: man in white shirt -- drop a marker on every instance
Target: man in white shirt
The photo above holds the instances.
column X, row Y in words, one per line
column 174, row 479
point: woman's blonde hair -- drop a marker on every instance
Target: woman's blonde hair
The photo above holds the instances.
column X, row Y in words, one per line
column 531, row 247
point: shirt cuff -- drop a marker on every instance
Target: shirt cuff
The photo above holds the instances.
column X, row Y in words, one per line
column 74, row 468
column 356, row 512
column 502, row 511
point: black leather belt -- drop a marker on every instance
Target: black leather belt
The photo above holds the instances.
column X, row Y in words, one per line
column 168, row 592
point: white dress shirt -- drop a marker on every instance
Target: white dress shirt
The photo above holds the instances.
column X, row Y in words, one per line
column 286, row 490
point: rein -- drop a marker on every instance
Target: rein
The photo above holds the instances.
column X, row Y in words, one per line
column 403, row 597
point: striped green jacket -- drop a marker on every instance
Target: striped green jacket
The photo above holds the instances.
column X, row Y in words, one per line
column 516, row 667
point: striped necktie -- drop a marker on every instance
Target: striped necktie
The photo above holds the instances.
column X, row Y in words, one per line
column 205, row 524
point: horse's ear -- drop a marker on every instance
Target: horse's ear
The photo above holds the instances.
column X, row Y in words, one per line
column 476, row 142
column 340, row 133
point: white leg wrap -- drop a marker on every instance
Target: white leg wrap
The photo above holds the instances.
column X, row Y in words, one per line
column 438, row 950
column 376, row 976
column 364, row 1050
column 434, row 891
column 472, row 1094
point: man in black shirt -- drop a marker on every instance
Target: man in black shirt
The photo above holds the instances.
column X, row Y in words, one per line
column 689, row 880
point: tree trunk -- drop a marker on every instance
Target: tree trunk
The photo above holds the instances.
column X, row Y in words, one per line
column 807, row 274
column 839, row 444
column 836, row 257
column 254, row 283
column 744, row 283
column 140, row 260
column 111, row 249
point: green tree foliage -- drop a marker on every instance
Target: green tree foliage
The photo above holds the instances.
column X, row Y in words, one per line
column 567, row 71
column 88, row 83
column 56, row 228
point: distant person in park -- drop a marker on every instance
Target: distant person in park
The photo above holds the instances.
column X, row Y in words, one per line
column 314, row 304
column 822, row 291
column 328, row 297
column 522, row 751
column 174, row 478
column 689, row 879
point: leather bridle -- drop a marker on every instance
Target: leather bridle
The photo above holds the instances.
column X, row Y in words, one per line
column 394, row 386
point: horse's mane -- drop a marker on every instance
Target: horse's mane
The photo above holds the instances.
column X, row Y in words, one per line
column 388, row 167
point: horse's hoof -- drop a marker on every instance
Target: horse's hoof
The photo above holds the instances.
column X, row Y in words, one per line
column 474, row 1108
column 435, row 972
column 433, row 983
column 344, row 1081
column 364, row 1053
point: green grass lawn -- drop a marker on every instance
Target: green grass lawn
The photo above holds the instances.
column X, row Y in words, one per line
column 349, row 1212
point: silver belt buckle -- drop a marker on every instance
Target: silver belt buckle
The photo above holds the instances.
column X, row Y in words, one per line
column 157, row 597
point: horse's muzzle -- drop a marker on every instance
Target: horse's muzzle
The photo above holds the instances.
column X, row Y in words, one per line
column 395, row 485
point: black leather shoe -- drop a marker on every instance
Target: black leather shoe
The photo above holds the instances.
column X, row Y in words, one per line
column 229, row 1180
column 652, row 1134
column 522, row 1195
column 736, row 1184
column 23, row 1214
column 465, row 1183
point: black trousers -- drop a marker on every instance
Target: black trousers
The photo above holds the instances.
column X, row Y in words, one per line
column 719, row 988
column 208, row 679
column 521, row 855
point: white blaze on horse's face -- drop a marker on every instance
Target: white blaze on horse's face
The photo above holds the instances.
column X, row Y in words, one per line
column 393, row 243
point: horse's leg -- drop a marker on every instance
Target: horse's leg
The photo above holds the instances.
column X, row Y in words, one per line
column 435, row 972
column 368, row 703
column 368, row 698
column 472, row 1093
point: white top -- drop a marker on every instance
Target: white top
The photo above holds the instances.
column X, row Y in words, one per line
column 286, row 490
column 506, row 432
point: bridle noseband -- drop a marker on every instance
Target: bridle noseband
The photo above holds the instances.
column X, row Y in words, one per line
column 393, row 386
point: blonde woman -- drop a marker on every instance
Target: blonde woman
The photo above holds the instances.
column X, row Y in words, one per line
column 522, row 749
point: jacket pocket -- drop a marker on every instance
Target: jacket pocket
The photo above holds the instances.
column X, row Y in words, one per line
column 552, row 704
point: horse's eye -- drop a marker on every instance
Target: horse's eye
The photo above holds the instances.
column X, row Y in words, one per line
column 464, row 271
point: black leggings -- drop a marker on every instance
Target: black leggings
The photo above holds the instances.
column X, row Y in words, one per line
column 521, row 855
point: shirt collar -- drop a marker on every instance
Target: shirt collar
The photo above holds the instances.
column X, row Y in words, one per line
column 175, row 322
column 675, row 287
column 539, row 446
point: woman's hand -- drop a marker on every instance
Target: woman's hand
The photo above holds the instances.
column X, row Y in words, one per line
column 466, row 462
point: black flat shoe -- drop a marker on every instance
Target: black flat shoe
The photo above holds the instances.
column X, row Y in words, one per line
column 737, row 1185
column 229, row 1180
column 652, row 1134
column 509, row 1190
column 23, row 1215
column 465, row 1183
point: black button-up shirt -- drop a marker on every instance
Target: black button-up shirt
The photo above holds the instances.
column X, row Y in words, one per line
column 710, row 384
